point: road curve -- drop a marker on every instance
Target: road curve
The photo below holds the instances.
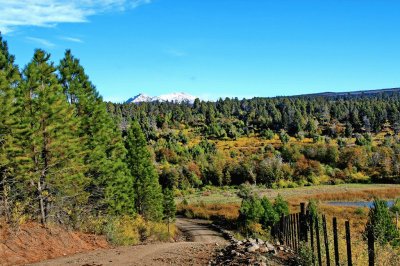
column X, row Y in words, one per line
column 202, row 243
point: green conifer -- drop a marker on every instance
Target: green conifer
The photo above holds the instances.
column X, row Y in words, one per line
column 149, row 199
column 111, row 185
column 9, row 79
column 50, row 144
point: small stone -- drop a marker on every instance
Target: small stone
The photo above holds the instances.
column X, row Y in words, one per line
column 270, row 246
column 260, row 241
column 253, row 248
column 281, row 248
column 263, row 249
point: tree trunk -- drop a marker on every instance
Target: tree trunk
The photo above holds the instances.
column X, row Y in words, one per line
column 41, row 203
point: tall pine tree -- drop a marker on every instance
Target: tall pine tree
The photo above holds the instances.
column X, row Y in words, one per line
column 148, row 195
column 51, row 146
column 111, row 185
column 9, row 79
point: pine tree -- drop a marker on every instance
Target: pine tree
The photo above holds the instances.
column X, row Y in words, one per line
column 9, row 79
column 169, row 206
column 149, row 199
column 51, row 146
column 111, row 186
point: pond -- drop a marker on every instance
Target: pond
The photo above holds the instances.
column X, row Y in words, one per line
column 368, row 204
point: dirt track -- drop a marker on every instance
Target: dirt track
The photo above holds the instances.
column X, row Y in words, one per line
column 197, row 251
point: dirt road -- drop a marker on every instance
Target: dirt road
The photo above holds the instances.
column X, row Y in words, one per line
column 202, row 243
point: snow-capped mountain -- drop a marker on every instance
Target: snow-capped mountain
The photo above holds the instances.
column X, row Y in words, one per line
column 176, row 97
column 141, row 98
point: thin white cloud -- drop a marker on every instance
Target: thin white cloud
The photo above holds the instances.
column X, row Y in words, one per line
column 49, row 13
column 71, row 39
column 40, row 41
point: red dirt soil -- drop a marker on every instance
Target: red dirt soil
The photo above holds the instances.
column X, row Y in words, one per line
column 32, row 243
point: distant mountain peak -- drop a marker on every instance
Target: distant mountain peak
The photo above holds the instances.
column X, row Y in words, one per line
column 176, row 97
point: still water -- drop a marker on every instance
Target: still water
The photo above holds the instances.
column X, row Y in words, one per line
column 368, row 204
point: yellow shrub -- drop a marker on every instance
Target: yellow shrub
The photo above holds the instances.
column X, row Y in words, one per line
column 359, row 177
column 128, row 230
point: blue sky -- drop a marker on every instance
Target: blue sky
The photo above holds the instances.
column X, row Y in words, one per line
column 214, row 48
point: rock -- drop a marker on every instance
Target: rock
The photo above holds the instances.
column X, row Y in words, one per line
column 278, row 243
column 263, row 249
column 260, row 241
column 281, row 248
column 270, row 246
column 253, row 248
column 251, row 240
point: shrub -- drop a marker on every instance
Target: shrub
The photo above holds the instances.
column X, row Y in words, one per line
column 396, row 206
column 281, row 206
column 127, row 230
column 381, row 224
column 313, row 208
column 284, row 137
column 359, row 211
column 268, row 134
column 270, row 216
column 305, row 255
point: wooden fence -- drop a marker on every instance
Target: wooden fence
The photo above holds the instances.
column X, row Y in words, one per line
column 297, row 228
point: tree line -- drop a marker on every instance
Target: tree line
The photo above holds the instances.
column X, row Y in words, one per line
column 62, row 155
column 295, row 141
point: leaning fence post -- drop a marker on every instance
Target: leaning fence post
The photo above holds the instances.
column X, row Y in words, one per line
column 336, row 241
column 318, row 241
column 348, row 242
column 328, row 259
column 371, row 247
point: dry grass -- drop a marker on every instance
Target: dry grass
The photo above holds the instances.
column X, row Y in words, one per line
column 349, row 195
column 215, row 211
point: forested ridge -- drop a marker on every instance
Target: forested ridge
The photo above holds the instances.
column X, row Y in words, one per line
column 63, row 158
column 277, row 142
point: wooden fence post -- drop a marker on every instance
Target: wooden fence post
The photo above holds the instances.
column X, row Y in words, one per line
column 348, row 242
column 303, row 222
column 284, row 234
column 281, row 234
column 328, row 259
column 287, row 229
column 371, row 247
column 318, row 241
column 292, row 223
column 298, row 225
column 335, row 241
column 312, row 238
